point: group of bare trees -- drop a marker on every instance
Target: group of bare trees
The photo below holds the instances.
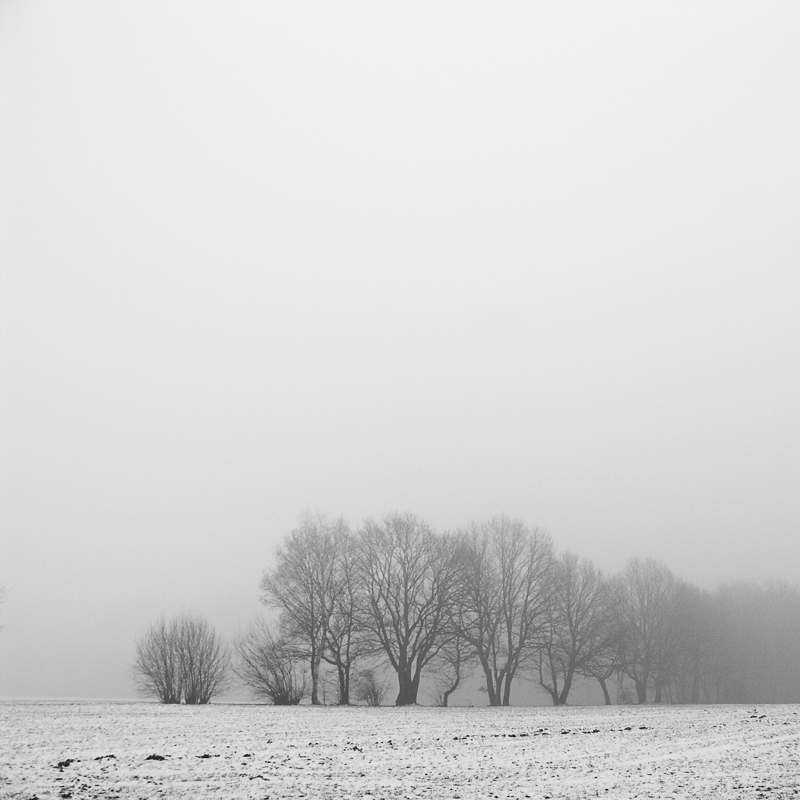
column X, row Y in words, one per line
column 498, row 599
column 580, row 635
column 495, row 599
column 184, row 660
column 181, row 661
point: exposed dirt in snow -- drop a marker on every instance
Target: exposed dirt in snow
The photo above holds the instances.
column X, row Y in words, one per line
column 142, row 750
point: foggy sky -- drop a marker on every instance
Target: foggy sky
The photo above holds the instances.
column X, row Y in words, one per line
column 457, row 259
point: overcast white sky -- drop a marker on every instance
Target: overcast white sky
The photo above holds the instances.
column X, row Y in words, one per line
column 460, row 259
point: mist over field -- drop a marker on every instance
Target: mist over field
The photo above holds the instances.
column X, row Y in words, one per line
column 453, row 260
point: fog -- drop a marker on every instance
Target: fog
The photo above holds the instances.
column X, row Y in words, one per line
column 456, row 259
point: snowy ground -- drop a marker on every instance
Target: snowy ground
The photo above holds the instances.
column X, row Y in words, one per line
column 142, row 750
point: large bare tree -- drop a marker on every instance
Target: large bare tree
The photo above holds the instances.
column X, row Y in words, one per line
column 345, row 640
column 181, row 661
column 303, row 586
column 644, row 601
column 605, row 663
column 409, row 574
column 504, row 596
column 578, row 628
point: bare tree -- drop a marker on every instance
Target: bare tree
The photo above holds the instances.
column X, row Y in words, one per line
column 183, row 660
column 269, row 666
column 302, row 586
column 345, row 641
column 157, row 665
column 505, row 594
column 452, row 662
column 577, row 629
column 605, row 663
column 409, row 574
column 204, row 661
column 602, row 668
column 644, row 601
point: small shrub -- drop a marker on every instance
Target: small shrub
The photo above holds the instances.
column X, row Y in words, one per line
column 269, row 666
column 181, row 661
column 369, row 689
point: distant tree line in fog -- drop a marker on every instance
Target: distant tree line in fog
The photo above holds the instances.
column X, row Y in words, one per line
column 495, row 598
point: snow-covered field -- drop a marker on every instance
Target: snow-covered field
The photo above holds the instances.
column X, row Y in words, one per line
column 141, row 750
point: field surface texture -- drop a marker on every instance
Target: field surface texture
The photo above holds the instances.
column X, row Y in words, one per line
column 140, row 750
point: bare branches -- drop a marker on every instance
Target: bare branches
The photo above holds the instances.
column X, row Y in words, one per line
column 579, row 629
column 298, row 586
column 313, row 586
column 269, row 666
column 181, row 661
column 644, row 597
column 409, row 574
column 505, row 593
column 452, row 662
column 345, row 642
column 496, row 595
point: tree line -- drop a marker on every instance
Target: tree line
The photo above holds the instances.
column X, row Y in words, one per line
column 497, row 599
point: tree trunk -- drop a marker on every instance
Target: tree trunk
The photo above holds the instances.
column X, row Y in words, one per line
column 491, row 690
column 344, row 685
column 448, row 692
column 507, row 690
column 453, row 686
column 641, row 691
column 407, row 694
column 562, row 698
column 606, row 695
column 315, row 681
column 415, row 685
column 552, row 687
column 657, row 698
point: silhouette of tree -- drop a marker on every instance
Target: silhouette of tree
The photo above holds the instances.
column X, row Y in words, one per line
column 409, row 574
column 345, row 639
column 270, row 666
column 181, row 661
column 504, row 596
column 577, row 629
column 454, row 659
column 644, row 602
column 303, row 586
